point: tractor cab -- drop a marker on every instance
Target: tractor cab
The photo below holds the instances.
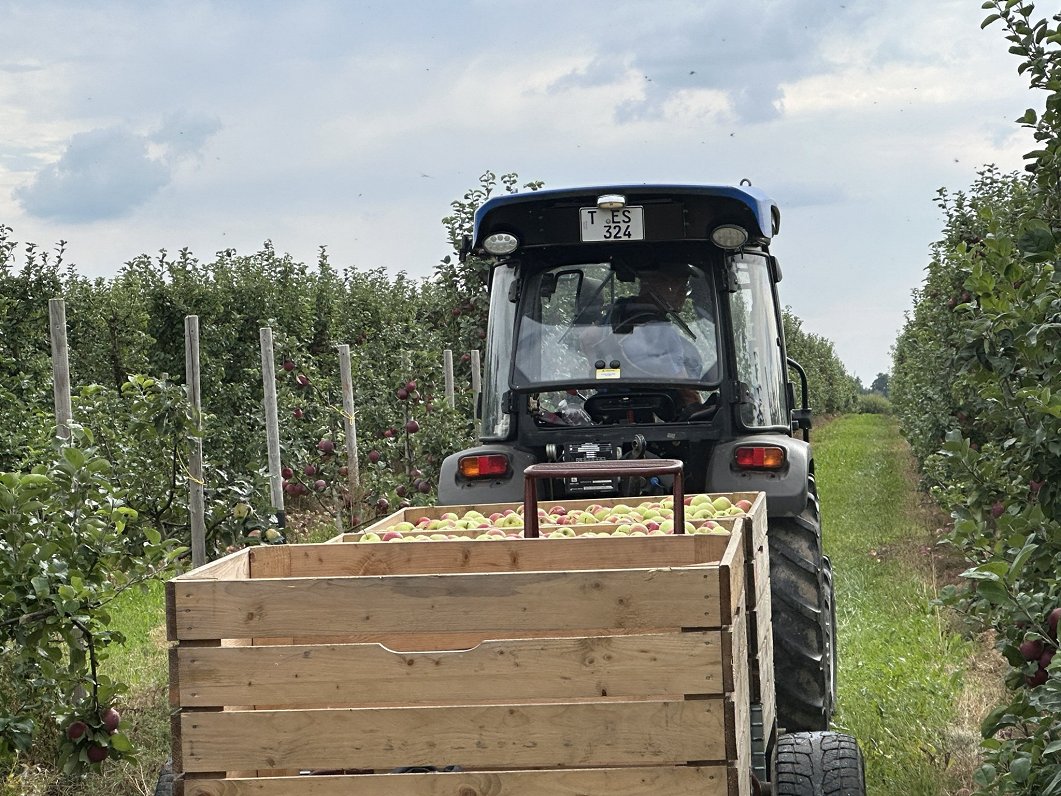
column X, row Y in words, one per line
column 625, row 322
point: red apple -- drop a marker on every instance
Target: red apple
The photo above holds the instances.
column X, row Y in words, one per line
column 402, row 393
column 288, row 365
column 302, row 379
column 326, row 446
column 412, row 426
column 1052, row 620
column 320, row 484
column 391, row 535
column 298, row 413
column 373, row 456
column 1038, row 678
column 310, row 469
column 97, row 753
column 76, row 730
column 110, row 718
column 1030, row 650
column 286, row 472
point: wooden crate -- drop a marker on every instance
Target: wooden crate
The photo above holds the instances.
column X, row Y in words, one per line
column 612, row 665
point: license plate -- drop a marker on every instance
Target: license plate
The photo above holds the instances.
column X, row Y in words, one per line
column 627, row 223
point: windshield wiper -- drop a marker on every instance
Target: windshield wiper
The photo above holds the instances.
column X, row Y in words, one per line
column 672, row 314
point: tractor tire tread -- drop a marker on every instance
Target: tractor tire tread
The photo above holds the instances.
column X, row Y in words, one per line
column 819, row 764
column 802, row 621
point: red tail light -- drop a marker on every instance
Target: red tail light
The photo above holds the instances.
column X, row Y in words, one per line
column 493, row 465
column 759, row 457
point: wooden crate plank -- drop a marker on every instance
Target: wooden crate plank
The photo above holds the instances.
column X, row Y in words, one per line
column 739, row 702
column 548, row 669
column 731, row 577
column 234, row 566
column 518, row 736
column 271, row 560
column 508, row 555
column 764, row 658
column 506, row 602
column 757, row 554
column 634, row 781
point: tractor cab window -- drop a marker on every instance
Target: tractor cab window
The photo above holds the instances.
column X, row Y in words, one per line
column 757, row 342
column 650, row 323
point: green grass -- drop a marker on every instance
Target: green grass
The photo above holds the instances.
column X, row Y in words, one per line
column 900, row 671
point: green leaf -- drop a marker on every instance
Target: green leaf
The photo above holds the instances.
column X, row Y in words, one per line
column 991, row 571
column 988, row 20
column 991, row 721
column 1021, row 768
column 74, row 456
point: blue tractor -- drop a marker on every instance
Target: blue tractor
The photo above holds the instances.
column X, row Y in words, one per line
column 642, row 321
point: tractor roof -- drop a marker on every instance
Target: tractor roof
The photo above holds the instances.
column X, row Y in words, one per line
column 671, row 212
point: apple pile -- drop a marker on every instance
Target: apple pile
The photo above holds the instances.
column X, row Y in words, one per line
column 1040, row 651
column 650, row 518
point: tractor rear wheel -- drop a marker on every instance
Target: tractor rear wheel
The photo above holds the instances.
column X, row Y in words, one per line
column 818, row 764
column 803, row 621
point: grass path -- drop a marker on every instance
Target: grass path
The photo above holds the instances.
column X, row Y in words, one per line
column 901, row 667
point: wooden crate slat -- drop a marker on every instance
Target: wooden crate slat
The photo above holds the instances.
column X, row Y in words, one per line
column 506, row 602
column 500, row 670
column 507, row 555
column 765, row 658
column 739, row 725
column 517, row 736
column 635, row 781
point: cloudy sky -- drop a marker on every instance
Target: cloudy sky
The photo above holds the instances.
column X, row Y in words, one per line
column 129, row 127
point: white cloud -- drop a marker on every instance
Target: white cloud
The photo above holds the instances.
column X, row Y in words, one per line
column 107, row 173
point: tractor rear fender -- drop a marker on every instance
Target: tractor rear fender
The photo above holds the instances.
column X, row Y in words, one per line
column 785, row 488
column 454, row 489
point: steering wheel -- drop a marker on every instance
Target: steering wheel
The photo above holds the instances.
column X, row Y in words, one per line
column 635, row 319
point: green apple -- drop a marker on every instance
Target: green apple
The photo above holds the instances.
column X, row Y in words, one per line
column 721, row 503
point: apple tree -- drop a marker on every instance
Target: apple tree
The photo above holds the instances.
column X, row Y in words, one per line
column 976, row 378
column 70, row 544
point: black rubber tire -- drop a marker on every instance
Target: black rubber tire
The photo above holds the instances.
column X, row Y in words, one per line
column 164, row 786
column 818, row 764
column 803, row 621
